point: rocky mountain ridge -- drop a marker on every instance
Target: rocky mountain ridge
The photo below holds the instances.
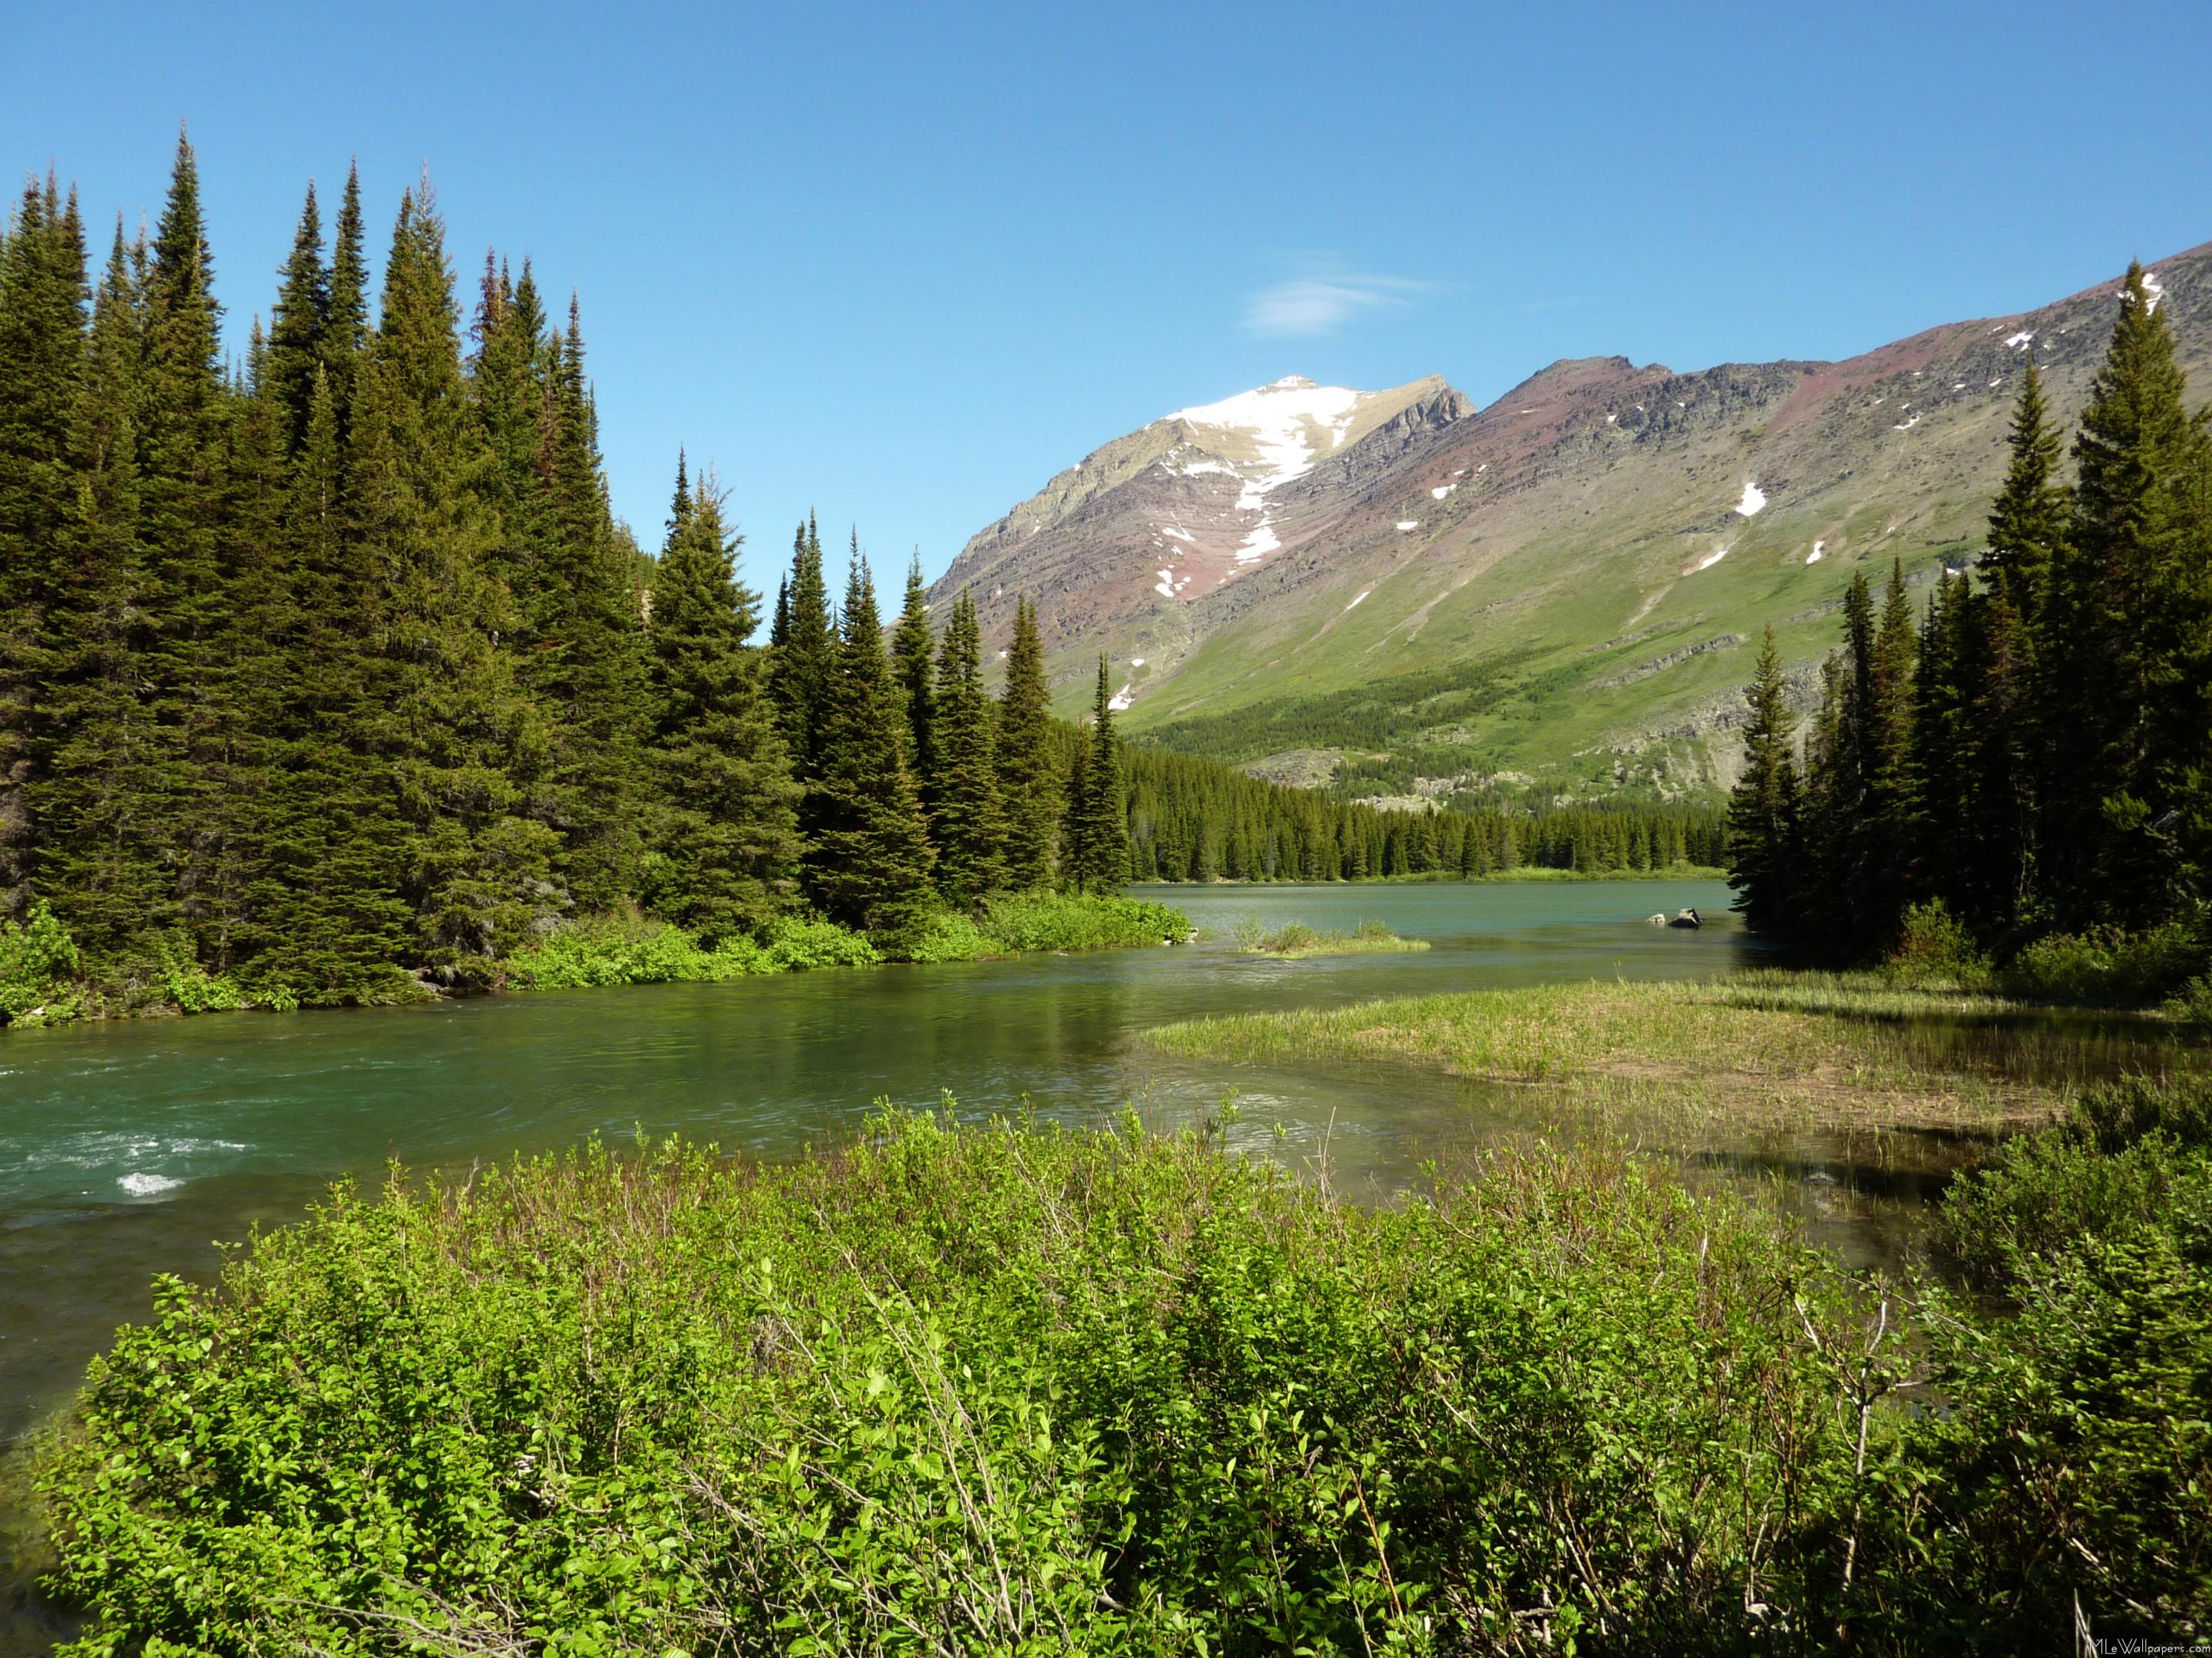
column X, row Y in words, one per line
column 1319, row 571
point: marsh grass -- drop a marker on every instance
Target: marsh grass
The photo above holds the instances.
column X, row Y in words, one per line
column 1297, row 941
column 1769, row 1051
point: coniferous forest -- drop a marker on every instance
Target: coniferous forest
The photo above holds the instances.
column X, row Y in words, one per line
column 2031, row 753
column 331, row 671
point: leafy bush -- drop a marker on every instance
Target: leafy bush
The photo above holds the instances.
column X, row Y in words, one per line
column 622, row 949
column 1062, row 920
column 1934, row 946
column 1020, row 1391
column 188, row 986
column 942, row 937
column 38, row 969
column 2074, row 1466
column 2107, row 967
column 796, row 943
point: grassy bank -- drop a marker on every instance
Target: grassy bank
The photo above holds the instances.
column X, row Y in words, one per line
column 40, row 986
column 1298, row 941
column 1767, row 1049
column 994, row 1389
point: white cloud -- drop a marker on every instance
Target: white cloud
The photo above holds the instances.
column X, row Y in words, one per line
column 1304, row 307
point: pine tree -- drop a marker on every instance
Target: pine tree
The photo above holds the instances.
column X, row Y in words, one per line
column 329, row 921
column 1951, row 858
column 583, row 657
column 1029, row 782
column 2015, row 725
column 1886, row 844
column 1763, row 828
column 804, row 662
column 466, row 746
column 868, row 861
column 2124, row 621
column 911, row 650
column 104, row 867
column 345, row 315
column 42, row 328
column 966, row 826
column 295, row 334
column 728, row 839
column 190, row 551
column 1097, row 837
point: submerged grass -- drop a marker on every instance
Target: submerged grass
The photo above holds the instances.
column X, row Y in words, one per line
column 1811, row 1052
column 1298, row 941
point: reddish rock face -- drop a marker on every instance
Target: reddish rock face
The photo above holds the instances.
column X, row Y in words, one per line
column 1297, row 538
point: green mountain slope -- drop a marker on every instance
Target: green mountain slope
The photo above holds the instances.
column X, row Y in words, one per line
column 1555, row 594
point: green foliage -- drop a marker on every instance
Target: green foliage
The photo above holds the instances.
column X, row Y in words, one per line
column 944, row 936
column 1297, row 940
column 2106, row 967
column 1933, row 946
column 1034, row 1390
column 1059, row 920
column 2073, row 1465
column 633, row 950
column 38, row 968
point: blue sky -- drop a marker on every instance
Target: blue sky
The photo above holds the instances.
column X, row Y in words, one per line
column 902, row 263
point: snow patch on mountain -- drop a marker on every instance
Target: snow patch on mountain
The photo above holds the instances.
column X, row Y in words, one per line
column 1754, row 499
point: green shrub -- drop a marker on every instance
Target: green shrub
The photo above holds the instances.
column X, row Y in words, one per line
column 797, row 942
column 38, row 969
column 2107, row 967
column 1010, row 1391
column 943, row 937
column 2073, row 1465
column 1063, row 920
column 1934, row 947
column 186, row 986
column 626, row 949
column 2193, row 1001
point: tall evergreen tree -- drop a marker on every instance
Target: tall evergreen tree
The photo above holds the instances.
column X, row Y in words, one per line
column 1097, row 837
column 42, row 298
column 804, row 663
column 1028, row 782
column 105, row 868
column 345, row 315
column 466, row 746
column 868, row 862
column 295, row 333
column 329, row 920
column 966, row 825
column 1763, row 828
column 2016, row 725
column 727, row 842
column 2124, row 614
column 911, row 649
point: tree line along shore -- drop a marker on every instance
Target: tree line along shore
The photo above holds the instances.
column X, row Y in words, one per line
column 330, row 676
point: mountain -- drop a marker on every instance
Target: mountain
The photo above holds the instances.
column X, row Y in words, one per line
column 1559, row 593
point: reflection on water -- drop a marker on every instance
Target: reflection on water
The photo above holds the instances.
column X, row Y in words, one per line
column 128, row 1149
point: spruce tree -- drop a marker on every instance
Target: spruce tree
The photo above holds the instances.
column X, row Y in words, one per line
column 329, row 920
column 99, row 805
column 911, row 649
column 966, row 826
column 345, row 315
column 1028, row 782
column 1885, row 861
column 467, row 748
column 803, row 661
column 727, row 840
column 295, row 333
column 868, row 860
column 184, row 411
column 42, row 329
column 1097, row 830
column 2015, row 725
column 1763, row 827
column 2126, row 607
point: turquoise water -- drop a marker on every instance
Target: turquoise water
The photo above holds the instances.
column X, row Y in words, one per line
column 128, row 1148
